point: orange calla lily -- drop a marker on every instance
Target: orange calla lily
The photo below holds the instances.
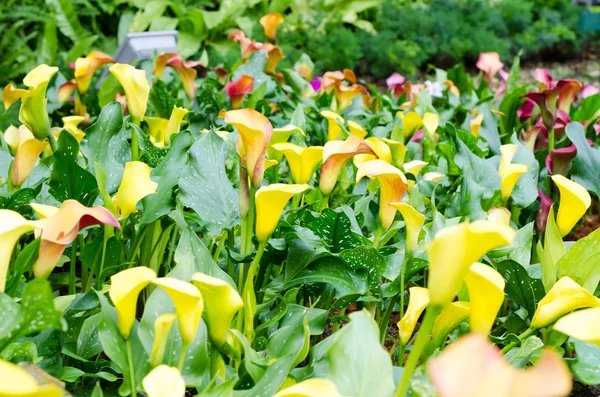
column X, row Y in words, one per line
column 270, row 22
column 65, row 91
column 381, row 149
column 86, row 67
column 274, row 55
column 237, row 90
column 186, row 73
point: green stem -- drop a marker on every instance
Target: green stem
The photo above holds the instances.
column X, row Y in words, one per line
column 184, row 347
column 377, row 237
column 220, row 246
column 336, row 326
column 132, row 385
column 386, row 318
column 249, row 292
column 324, row 202
column 52, row 142
column 72, row 289
column 251, row 220
column 417, row 350
column 528, row 332
column 550, row 140
column 230, row 244
column 296, row 201
column 135, row 146
column 108, row 233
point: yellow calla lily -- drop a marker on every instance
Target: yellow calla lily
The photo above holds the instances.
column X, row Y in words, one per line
column 174, row 123
column 17, row 382
column 419, row 299
column 414, row 167
column 392, row 186
column 564, row 297
column 333, row 128
column 135, row 185
column 125, row 287
column 12, row 226
column 398, row 150
column 270, row 22
column 27, row 154
column 335, row 155
column 10, row 95
column 33, row 112
column 274, row 55
column 136, row 88
column 474, row 367
column 433, row 176
column 44, row 211
column 414, row 221
column 86, row 67
column 499, row 215
column 451, row 315
column 188, row 305
column 281, row 135
column 454, row 249
column 11, row 137
column 583, row 325
column 345, row 94
column 509, row 173
column 486, row 294
column 313, row 387
column 60, row 227
column 356, row 129
column 381, row 149
column 270, row 201
column 164, row 381
column 475, row 124
column 255, row 133
column 411, row 122
column 221, row 302
column 162, row 327
column 71, row 124
column 431, row 122
column 157, row 128
column 574, row 202
column 302, row 161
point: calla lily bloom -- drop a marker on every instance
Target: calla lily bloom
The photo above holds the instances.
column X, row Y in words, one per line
column 186, row 73
column 454, row 249
column 274, row 55
column 392, row 186
column 188, row 305
column 280, row 135
column 135, row 185
column 431, row 122
column 490, row 64
column 11, row 137
column 433, row 176
column 356, row 129
column 62, row 227
column 162, row 327
column 157, row 128
column 334, row 129
column 270, row 22
column 499, row 215
column 65, row 91
column 398, row 150
column 247, row 46
column 451, row 315
column 221, row 302
column 164, row 381
column 71, row 124
column 414, row 167
column 411, row 122
column 237, row 90
column 335, row 155
column 564, row 297
column 313, row 387
column 475, row 124
column 344, row 95
column 255, row 133
column 27, row 154
column 396, row 83
column 10, row 95
column 486, row 294
column 174, row 123
column 473, row 367
column 302, row 161
column 270, row 201
column 381, row 149
column 414, row 221
column 17, row 382
column 509, row 173
column 583, row 325
column 574, row 202
column 12, row 226
column 125, row 287
column 86, row 67
column 419, row 299
column 136, row 88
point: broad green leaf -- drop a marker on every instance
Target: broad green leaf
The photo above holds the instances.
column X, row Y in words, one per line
column 300, row 255
column 272, row 379
column 520, row 287
column 23, row 263
column 22, row 351
column 365, row 259
column 587, row 109
column 520, row 248
column 519, row 357
column 291, row 339
column 49, row 345
column 551, row 252
column 586, row 364
column 582, row 261
column 88, row 344
column 585, row 167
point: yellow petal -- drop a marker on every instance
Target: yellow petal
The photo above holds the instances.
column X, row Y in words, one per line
column 333, row 129
column 381, row 149
column 221, row 302
column 564, row 297
column 281, row 135
column 431, row 121
column 135, row 185
column 302, row 161
column 125, row 287
column 392, row 186
column 174, row 123
column 162, row 327
column 270, row 201
column 11, row 95
column 44, row 211
column 12, row 226
column 411, row 122
column 270, row 22
column 65, row 91
column 274, row 55
column 136, row 88
column 33, row 111
column 164, row 381
column 11, row 137
column 451, row 315
column 476, row 124
column 433, row 176
column 313, row 387
column 188, row 305
column 574, row 202
column 28, row 153
column 157, row 128
column 398, row 150
column 255, row 133
column 17, row 382
column 335, row 155
column 583, row 325
column 186, row 74
column 414, row 167
column 344, row 95
column 499, row 215
column 486, row 294
column 509, row 173
column 86, row 67
column 419, row 299
column 356, row 129
column 414, row 223
column 454, row 249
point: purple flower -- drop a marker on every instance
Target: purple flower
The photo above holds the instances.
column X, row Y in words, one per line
column 316, row 83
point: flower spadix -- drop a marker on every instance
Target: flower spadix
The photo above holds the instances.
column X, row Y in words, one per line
column 454, row 249
column 136, row 88
column 61, row 228
column 414, row 221
column 583, row 325
column 574, row 202
column 270, row 22
column 17, row 382
column 392, row 186
column 255, row 133
column 473, row 366
column 509, row 173
column 486, row 294
column 125, row 288
column 381, row 149
column 164, row 381
column 188, row 304
column 221, row 302
column 301, row 160
column 27, row 154
column 135, row 185
column 335, row 155
column 333, row 128
column 419, row 299
column 162, row 327
column 313, row 387
column 86, row 67
column 564, row 297
column 12, row 226
column 270, row 201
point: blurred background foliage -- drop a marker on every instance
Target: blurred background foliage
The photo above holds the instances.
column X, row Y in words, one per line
column 373, row 37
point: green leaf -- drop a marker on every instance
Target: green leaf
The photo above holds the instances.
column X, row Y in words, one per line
column 24, row 262
column 581, row 261
column 334, row 227
column 67, row 19
column 586, row 365
column 551, row 252
column 17, row 352
column 585, row 167
column 152, row 10
column 300, row 255
column 255, row 68
column 511, row 102
column 88, row 344
column 520, row 248
column 161, row 99
column 587, row 109
column 291, row 339
column 519, row 357
column 38, row 309
column 365, row 259
column 49, row 46
column 520, row 287
column 272, row 379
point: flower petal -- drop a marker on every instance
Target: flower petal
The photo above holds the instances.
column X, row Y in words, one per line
column 270, row 22
column 12, row 226
column 162, row 328
column 335, row 155
column 11, row 95
column 475, row 124
column 414, row 223
column 490, row 64
column 334, row 129
column 164, row 381
column 313, row 387
column 28, row 153
column 509, row 173
column 419, row 299
column 136, row 88
column 356, row 129
column 33, row 112
column 574, row 202
column 270, row 201
column 381, row 149
column 86, row 67
column 486, row 294
column 451, row 315
column 431, row 121
column 174, row 123
column 411, row 122
column 17, row 382
column 238, row 89
column 583, row 325
column 135, row 185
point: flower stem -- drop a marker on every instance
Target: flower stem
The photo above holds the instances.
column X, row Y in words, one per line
column 132, row 385
column 52, row 142
column 550, row 140
column 324, row 202
column 377, row 237
column 135, row 146
column 248, row 294
column 184, row 347
column 72, row 289
column 386, row 318
column 527, row 333
column 220, row 246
